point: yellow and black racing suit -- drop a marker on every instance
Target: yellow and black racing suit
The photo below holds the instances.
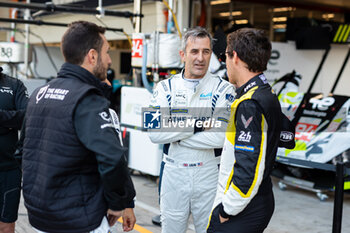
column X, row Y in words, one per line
column 244, row 192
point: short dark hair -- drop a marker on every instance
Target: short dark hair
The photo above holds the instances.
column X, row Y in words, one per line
column 252, row 47
column 80, row 37
column 197, row 32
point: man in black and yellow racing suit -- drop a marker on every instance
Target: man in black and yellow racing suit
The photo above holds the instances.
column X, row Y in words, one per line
column 244, row 200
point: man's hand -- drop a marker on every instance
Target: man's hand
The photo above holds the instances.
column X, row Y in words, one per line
column 208, row 122
column 129, row 219
column 113, row 216
column 222, row 220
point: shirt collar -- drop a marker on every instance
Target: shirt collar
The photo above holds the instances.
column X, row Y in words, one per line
column 69, row 70
column 257, row 80
column 201, row 80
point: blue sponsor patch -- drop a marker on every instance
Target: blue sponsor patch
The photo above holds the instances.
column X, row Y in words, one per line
column 230, row 97
column 222, row 119
column 177, row 110
column 205, row 96
column 263, row 78
column 244, row 148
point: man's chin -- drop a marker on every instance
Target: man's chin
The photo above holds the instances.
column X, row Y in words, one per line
column 101, row 77
column 199, row 74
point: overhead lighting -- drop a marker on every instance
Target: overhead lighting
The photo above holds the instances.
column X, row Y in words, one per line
column 328, row 16
column 283, row 9
column 217, row 2
column 241, row 21
column 279, row 19
column 234, row 13
column 279, row 26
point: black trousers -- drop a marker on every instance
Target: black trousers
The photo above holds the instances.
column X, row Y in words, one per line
column 253, row 219
column 10, row 192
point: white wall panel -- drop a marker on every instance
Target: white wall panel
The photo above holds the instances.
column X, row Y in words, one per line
column 306, row 63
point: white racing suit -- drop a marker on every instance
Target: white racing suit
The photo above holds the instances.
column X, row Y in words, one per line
column 191, row 166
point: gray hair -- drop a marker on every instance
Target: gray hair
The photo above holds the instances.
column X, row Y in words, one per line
column 197, row 32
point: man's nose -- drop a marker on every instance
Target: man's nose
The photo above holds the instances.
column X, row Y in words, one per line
column 200, row 56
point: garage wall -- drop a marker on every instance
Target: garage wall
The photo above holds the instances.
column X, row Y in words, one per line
column 286, row 58
column 45, row 68
column 4, row 12
column 43, row 64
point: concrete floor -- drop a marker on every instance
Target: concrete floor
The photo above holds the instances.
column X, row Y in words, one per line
column 296, row 211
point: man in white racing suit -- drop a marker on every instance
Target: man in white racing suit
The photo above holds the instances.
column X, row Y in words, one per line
column 191, row 164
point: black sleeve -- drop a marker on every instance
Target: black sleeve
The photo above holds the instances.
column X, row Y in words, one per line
column 19, row 151
column 14, row 118
column 96, row 131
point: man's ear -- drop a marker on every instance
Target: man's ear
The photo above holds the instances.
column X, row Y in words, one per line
column 182, row 55
column 235, row 58
column 92, row 56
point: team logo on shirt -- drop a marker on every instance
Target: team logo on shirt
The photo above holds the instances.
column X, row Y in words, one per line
column 41, row 93
column 105, row 116
column 286, row 136
column 155, row 94
column 244, row 137
column 230, row 97
column 180, row 98
column 51, row 94
column 245, row 122
column 250, row 85
column 7, row 90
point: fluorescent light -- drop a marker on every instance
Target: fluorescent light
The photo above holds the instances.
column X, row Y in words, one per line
column 283, row 9
column 328, row 16
column 279, row 19
column 279, row 26
column 217, row 2
column 234, row 13
column 241, row 21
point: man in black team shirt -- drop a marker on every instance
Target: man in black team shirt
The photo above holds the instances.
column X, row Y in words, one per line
column 74, row 167
column 13, row 102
